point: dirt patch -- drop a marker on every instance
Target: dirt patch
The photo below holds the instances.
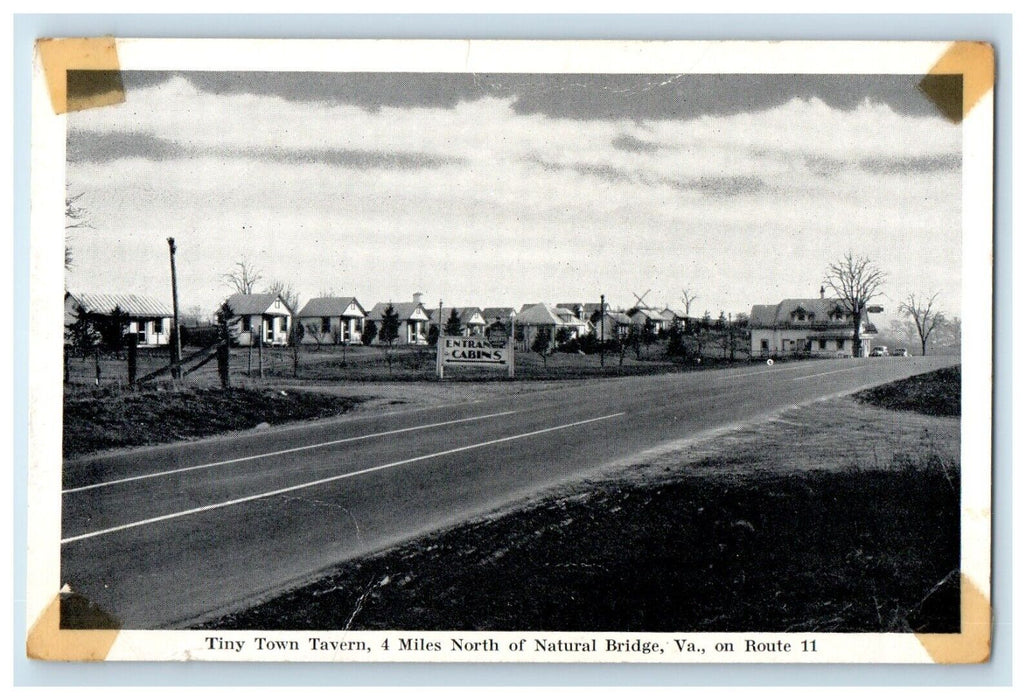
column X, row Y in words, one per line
column 835, row 517
column 935, row 393
column 116, row 418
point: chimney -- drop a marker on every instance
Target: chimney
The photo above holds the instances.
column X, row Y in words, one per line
column 417, row 298
column 823, row 291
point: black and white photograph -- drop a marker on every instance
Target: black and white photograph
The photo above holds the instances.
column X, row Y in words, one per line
column 514, row 351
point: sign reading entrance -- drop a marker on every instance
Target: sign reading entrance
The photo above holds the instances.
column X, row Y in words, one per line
column 474, row 352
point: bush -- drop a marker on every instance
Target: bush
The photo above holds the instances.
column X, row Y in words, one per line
column 199, row 336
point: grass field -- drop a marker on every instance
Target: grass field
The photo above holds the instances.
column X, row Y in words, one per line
column 936, row 393
column 835, row 517
column 364, row 364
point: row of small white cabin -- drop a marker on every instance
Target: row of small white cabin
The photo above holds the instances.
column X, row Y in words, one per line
column 337, row 320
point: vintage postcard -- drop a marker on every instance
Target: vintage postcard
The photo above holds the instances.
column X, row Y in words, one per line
column 511, row 351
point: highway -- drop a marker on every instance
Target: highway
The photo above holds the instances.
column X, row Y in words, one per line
column 165, row 537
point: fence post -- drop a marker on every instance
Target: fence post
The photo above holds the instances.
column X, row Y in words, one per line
column 261, row 342
column 96, row 362
column 224, row 364
column 131, row 358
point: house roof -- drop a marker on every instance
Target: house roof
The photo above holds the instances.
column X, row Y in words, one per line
column 619, row 318
column 767, row 315
column 762, row 315
column 569, row 318
column 490, row 313
column 538, row 315
column 132, row 304
column 647, row 313
column 255, row 304
column 405, row 310
column 467, row 315
column 329, row 306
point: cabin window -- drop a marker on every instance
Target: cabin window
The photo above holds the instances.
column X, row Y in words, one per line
column 821, row 344
column 245, row 324
column 326, row 324
column 839, row 344
column 764, row 345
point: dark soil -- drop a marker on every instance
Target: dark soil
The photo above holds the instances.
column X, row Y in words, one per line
column 935, row 393
column 823, row 551
column 121, row 418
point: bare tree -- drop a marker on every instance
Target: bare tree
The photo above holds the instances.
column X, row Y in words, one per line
column 244, row 276
column 287, row 293
column 75, row 218
column 926, row 320
column 687, row 298
column 314, row 330
column 856, row 281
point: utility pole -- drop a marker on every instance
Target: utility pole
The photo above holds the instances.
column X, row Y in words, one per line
column 174, row 347
column 512, row 347
column 441, row 339
column 602, row 330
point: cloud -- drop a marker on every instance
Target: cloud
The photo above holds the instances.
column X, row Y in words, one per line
column 829, row 166
column 94, row 147
column 721, row 186
column 101, row 147
column 627, row 142
column 912, row 164
column 612, row 97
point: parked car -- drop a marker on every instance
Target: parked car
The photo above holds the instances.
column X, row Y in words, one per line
column 880, row 351
column 900, row 352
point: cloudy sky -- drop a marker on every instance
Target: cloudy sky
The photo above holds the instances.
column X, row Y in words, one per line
column 490, row 189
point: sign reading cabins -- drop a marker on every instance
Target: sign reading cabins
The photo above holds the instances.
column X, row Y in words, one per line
column 474, row 352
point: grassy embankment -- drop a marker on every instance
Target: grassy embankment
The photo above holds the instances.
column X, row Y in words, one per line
column 106, row 419
column 836, row 517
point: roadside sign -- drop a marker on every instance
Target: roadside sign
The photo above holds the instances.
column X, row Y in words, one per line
column 473, row 352
column 498, row 336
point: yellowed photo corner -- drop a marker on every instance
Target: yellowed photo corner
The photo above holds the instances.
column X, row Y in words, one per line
column 48, row 642
column 974, row 61
column 58, row 56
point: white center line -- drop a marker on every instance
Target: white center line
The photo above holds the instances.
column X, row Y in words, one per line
column 835, row 371
column 267, row 494
column 282, row 452
column 761, row 371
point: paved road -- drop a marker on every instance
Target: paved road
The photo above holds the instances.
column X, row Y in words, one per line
column 165, row 537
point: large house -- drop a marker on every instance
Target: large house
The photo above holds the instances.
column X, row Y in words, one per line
column 412, row 319
column 149, row 319
column 332, row 321
column 259, row 319
column 471, row 322
column 822, row 327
